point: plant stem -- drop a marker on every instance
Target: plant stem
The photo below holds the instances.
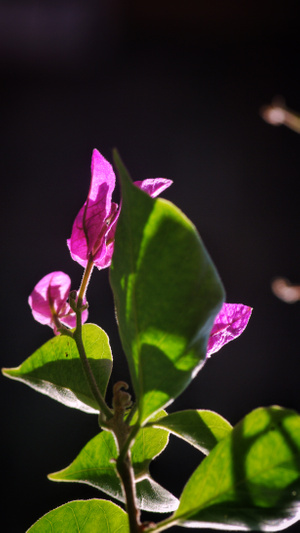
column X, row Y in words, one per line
column 115, row 420
column 125, row 472
column 84, row 282
column 124, row 435
column 76, row 305
column 77, row 336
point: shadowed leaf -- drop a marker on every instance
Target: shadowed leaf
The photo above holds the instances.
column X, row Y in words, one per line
column 250, row 480
column 202, row 429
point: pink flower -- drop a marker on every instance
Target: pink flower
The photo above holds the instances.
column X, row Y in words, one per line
column 48, row 301
column 94, row 227
column 228, row 325
column 154, row 186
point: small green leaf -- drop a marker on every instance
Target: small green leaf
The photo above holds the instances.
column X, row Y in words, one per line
column 149, row 443
column 95, row 465
column 55, row 369
column 153, row 497
column 250, row 480
column 90, row 516
column 167, row 293
column 202, row 429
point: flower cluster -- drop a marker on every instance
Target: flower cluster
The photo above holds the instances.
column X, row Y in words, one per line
column 93, row 231
column 92, row 241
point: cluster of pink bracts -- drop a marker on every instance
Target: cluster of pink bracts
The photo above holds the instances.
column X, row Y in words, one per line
column 92, row 240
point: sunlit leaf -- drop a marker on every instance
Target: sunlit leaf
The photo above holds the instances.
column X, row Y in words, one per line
column 55, row 369
column 95, row 465
column 167, row 294
column 90, row 516
column 250, row 480
column 149, row 443
column 203, row 429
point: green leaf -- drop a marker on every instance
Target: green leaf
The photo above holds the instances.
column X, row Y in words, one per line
column 55, row 369
column 95, row 465
column 153, row 497
column 250, row 480
column 167, row 293
column 149, row 443
column 200, row 428
column 90, row 516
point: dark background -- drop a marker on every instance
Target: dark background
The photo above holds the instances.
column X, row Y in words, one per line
column 177, row 88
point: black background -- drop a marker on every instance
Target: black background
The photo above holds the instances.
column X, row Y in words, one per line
column 177, row 88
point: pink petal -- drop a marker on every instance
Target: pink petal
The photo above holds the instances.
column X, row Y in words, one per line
column 228, row 325
column 153, row 186
column 102, row 258
column 105, row 260
column 68, row 317
column 89, row 228
column 95, row 225
column 51, row 292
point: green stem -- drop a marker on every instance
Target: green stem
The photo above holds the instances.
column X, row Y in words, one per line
column 127, row 442
column 132, row 413
column 126, row 474
column 115, row 420
column 84, row 282
column 124, row 435
column 161, row 526
column 77, row 336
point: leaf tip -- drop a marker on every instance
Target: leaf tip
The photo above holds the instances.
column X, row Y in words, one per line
column 123, row 174
column 9, row 372
column 55, row 476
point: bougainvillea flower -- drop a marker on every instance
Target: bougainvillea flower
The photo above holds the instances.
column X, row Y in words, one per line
column 94, row 227
column 154, row 186
column 48, row 301
column 229, row 323
column 95, row 218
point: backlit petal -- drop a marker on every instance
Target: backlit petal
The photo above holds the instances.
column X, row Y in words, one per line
column 153, row 186
column 50, row 293
column 89, row 228
column 228, row 325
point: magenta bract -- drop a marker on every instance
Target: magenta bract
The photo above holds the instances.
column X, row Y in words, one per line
column 93, row 231
column 48, row 301
column 95, row 218
column 153, row 186
column 228, row 325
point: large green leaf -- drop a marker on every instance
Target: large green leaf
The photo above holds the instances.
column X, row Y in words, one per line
column 201, row 428
column 167, row 293
column 55, row 369
column 95, row 465
column 250, row 480
column 90, row 516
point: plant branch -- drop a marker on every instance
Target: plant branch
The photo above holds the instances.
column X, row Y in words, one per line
column 78, row 308
column 125, row 471
column 76, row 303
column 124, row 435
